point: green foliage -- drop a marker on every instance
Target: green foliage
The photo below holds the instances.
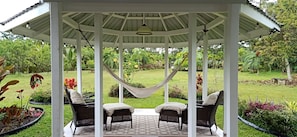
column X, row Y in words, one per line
column 69, row 58
column 291, row 105
column 176, row 92
column 270, row 116
column 114, row 90
column 41, row 96
column 90, row 64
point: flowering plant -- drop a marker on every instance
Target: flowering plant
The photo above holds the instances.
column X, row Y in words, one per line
column 70, row 83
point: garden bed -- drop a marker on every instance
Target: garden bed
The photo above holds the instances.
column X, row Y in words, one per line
column 259, row 128
column 28, row 121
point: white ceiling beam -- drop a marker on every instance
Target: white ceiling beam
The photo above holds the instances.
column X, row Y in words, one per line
column 107, row 19
column 43, row 30
column 163, row 23
column 70, row 22
column 215, row 23
column 172, row 15
column 124, row 23
column 86, row 18
column 178, row 20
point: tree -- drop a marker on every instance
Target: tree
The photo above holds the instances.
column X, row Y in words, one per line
column 281, row 47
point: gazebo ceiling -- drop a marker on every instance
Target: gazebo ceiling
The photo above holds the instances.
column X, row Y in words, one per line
column 173, row 25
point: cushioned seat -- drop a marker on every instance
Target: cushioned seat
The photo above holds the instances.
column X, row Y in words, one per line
column 119, row 112
column 170, row 112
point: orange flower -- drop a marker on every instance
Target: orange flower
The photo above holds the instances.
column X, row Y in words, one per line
column 70, row 83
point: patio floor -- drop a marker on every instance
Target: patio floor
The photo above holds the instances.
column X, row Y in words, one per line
column 145, row 124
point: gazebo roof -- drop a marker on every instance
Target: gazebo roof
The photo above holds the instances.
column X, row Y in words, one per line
column 34, row 22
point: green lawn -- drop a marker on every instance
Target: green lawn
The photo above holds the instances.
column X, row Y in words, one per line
column 149, row 78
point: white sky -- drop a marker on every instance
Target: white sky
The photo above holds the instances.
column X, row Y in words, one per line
column 9, row 8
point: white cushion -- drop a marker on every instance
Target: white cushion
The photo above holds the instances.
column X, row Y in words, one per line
column 76, row 98
column 176, row 106
column 111, row 107
column 211, row 99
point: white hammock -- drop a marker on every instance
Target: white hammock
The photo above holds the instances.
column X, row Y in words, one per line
column 141, row 92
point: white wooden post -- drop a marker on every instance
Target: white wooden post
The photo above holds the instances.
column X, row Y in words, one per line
column 166, row 88
column 192, row 120
column 121, row 69
column 231, row 71
column 98, row 20
column 205, row 66
column 78, row 63
column 57, row 69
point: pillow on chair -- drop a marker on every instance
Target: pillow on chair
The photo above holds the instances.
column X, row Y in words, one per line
column 211, row 99
column 76, row 98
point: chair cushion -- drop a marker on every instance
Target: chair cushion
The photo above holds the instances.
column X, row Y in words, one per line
column 211, row 99
column 176, row 106
column 111, row 107
column 76, row 97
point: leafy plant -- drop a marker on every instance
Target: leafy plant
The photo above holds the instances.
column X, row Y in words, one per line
column 41, row 96
column 176, row 92
column 4, row 71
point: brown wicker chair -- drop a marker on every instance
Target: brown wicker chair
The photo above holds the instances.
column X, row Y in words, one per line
column 205, row 113
column 83, row 114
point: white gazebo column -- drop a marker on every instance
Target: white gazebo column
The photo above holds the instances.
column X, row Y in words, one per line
column 121, row 68
column 57, row 69
column 231, row 71
column 205, row 65
column 98, row 20
column 166, row 66
column 192, row 76
column 78, row 62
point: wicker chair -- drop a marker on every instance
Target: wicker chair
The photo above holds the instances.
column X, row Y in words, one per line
column 205, row 113
column 83, row 114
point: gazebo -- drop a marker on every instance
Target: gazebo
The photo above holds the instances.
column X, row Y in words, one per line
column 172, row 23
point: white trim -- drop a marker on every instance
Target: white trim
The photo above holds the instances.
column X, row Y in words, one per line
column 192, row 112
column 90, row 7
column 98, row 21
column 57, row 70
column 26, row 17
column 231, row 71
column 205, row 66
column 166, row 65
column 121, row 68
column 252, row 13
column 78, row 63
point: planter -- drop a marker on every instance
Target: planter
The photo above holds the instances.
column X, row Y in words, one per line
column 259, row 128
column 45, row 103
column 29, row 121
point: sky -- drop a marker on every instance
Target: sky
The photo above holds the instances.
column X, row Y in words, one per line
column 9, row 8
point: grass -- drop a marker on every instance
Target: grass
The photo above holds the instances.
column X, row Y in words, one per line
column 149, row 78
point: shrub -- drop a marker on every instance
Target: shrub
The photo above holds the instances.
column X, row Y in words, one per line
column 176, row 92
column 41, row 96
column 114, row 90
column 269, row 116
